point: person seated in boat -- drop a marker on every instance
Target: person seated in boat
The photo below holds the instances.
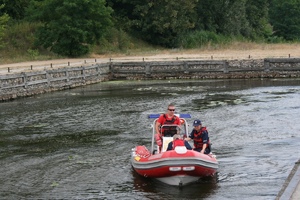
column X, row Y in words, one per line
column 178, row 141
column 163, row 125
column 200, row 137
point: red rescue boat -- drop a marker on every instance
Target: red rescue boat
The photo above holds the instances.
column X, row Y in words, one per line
column 175, row 167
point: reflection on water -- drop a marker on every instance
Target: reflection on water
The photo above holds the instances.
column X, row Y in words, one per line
column 76, row 144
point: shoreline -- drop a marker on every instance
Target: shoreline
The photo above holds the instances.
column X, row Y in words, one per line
column 237, row 51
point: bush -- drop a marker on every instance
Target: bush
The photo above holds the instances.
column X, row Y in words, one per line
column 20, row 35
column 275, row 39
column 198, row 39
column 19, row 44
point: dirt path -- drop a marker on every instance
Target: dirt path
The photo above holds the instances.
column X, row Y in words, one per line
column 238, row 51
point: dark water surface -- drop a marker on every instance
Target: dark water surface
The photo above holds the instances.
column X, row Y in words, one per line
column 76, row 144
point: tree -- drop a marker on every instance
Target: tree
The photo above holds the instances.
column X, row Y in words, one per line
column 284, row 17
column 208, row 15
column 3, row 20
column 248, row 18
column 258, row 18
column 15, row 8
column 70, row 26
column 163, row 22
column 226, row 17
column 158, row 22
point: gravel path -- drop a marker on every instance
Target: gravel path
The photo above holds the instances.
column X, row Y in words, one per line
column 241, row 52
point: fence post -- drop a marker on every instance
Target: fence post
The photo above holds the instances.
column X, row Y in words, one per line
column 186, row 67
column 24, row 78
column 98, row 70
column 225, row 65
column 83, row 73
column 48, row 78
column 67, row 75
column 1, row 85
column 111, row 68
column 147, row 69
column 266, row 65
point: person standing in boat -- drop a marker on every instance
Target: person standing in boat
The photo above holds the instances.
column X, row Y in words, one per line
column 200, row 137
column 168, row 118
column 178, row 141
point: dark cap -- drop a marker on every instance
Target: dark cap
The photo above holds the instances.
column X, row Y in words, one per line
column 197, row 122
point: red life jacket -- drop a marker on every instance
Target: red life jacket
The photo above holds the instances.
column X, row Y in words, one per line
column 178, row 142
column 198, row 141
column 169, row 130
column 169, row 121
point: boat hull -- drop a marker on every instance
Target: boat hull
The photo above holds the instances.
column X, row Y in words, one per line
column 179, row 167
column 179, row 180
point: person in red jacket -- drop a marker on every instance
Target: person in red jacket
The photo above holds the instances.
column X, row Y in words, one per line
column 178, row 141
column 200, row 136
column 168, row 118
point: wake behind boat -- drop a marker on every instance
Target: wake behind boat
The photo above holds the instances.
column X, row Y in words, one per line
column 174, row 167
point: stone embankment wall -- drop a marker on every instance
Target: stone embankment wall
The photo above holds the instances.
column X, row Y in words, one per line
column 209, row 69
column 31, row 83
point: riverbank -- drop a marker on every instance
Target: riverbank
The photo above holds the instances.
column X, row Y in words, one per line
column 237, row 51
column 28, row 83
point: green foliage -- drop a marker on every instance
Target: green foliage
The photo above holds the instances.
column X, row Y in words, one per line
column 158, row 22
column 257, row 16
column 3, row 21
column 118, row 38
column 118, row 41
column 248, row 18
column 19, row 39
column 20, row 36
column 14, row 8
column 77, row 27
column 70, row 26
column 122, row 13
column 114, row 41
column 275, row 39
column 33, row 53
column 198, row 39
column 163, row 22
column 285, row 19
column 236, row 22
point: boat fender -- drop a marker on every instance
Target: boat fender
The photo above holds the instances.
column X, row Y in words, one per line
column 158, row 139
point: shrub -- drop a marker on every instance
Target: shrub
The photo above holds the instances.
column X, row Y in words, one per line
column 198, row 39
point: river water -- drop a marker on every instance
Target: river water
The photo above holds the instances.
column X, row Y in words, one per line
column 75, row 144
